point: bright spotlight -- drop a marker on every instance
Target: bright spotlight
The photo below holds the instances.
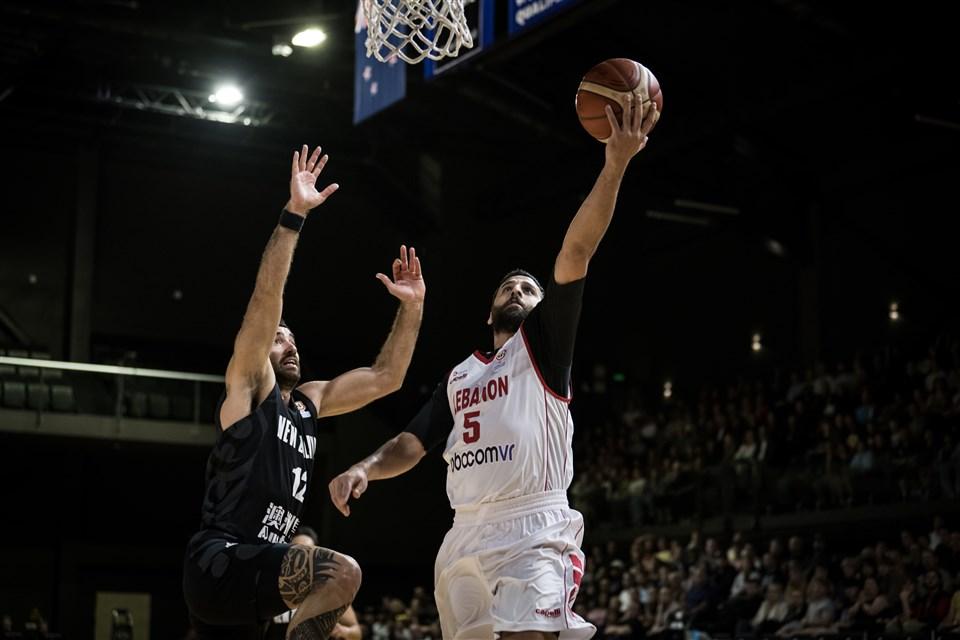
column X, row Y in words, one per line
column 309, row 37
column 894, row 311
column 283, row 50
column 755, row 344
column 667, row 389
column 227, row 95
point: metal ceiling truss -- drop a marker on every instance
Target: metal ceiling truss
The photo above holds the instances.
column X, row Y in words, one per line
column 186, row 103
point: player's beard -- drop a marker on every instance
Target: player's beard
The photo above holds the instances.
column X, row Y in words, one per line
column 287, row 379
column 507, row 319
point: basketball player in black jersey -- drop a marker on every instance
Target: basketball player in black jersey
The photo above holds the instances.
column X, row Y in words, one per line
column 239, row 571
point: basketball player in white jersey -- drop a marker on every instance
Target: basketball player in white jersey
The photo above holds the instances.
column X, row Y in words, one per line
column 511, row 564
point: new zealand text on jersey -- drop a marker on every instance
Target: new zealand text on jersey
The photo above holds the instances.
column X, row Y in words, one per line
column 465, row 398
column 287, row 432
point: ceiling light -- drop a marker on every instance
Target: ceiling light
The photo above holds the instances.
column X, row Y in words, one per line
column 309, row 37
column 283, row 50
column 227, row 95
column 774, row 247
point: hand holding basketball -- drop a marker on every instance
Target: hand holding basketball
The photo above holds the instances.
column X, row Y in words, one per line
column 629, row 137
column 617, row 82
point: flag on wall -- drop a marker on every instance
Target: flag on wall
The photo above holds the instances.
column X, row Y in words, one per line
column 376, row 85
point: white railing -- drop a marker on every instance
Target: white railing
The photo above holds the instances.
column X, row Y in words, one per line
column 110, row 369
column 117, row 421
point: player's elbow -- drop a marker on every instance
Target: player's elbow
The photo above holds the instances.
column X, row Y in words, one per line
column 576, row 253
column 572, row 263
column 395, row 384
column 412, row 450
column 389, row 381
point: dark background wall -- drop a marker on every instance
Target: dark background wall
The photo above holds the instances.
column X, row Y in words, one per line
column 832, row 131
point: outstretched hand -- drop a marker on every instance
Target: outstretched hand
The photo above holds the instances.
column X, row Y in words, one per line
column 407, row 284
column 303, row 181
column 350, row 483
column 629, row 137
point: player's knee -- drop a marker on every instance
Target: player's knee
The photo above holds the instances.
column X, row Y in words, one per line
column 350, row 575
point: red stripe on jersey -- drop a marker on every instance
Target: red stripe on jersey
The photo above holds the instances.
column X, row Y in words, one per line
column 546, row 443
column 577, row 564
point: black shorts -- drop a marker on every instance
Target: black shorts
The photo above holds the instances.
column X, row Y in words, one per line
column 231, row 588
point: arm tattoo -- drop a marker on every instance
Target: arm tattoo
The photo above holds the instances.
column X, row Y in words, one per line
column 303, row 569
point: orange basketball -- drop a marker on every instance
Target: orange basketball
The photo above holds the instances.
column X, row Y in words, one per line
column 610, row 82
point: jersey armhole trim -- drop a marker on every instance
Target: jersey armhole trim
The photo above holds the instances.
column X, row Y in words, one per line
column 536, row 368
column 275, row 390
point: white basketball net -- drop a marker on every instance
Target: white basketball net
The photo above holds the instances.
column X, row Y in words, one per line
column 415, row 29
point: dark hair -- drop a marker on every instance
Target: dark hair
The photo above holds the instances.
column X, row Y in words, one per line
column 283, row 323
column 309, row 532
column 518, row 272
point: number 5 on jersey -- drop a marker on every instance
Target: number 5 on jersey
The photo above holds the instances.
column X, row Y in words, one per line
column 471, row 427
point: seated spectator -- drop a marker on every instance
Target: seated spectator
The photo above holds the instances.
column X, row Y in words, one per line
column 862, row 461
column 951, row 623
column 921, row 612
column 796, row 607
column 699, row 600
column 870, row 610
column 772, row 612
column 748, row 565
column 668, row 604
column 627, row 625
column 738, row 612
column 819, row 616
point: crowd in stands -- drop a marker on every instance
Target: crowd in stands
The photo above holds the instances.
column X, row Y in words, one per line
column 879, row 429
column 766, row 587
column 396, row 619
column 772, row 587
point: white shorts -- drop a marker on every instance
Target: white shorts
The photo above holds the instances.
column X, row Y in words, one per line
column 514, row 565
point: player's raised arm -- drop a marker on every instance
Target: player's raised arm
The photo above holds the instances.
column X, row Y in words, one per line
column 351, row 390
column 249, row 374
column 590, row 224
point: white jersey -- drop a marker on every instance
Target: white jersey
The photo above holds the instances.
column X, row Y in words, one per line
column 512, row 435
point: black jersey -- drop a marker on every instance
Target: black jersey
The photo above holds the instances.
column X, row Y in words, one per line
column 258, row 472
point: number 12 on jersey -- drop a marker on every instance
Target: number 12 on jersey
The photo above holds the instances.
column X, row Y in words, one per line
column 299, row 483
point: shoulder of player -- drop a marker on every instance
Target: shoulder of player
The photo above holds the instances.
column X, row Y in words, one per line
column 308, row 396
column 236, row 406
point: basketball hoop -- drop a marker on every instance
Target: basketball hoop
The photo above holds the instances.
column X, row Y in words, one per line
column 415, row 29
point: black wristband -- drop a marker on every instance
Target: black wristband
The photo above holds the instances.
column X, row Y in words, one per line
column 291, row 221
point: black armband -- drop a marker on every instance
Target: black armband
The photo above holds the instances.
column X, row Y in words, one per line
column 291, row 221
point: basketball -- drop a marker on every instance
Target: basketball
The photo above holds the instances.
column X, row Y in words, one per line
column 611, row 82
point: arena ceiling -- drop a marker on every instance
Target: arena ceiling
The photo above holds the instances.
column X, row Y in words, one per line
column 830, row 129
